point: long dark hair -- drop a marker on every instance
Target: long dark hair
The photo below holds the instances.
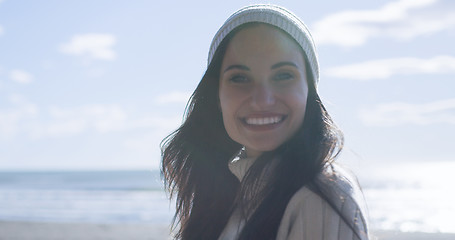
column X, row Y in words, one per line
column 195, row 164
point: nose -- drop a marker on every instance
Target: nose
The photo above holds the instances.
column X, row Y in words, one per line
column 262, row 96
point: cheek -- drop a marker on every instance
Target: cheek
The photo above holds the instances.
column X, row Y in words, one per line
column 297, row 101
column 230, row 100
column 224, row 102
column 298, row 110
column 227, row 105
column 300, row 104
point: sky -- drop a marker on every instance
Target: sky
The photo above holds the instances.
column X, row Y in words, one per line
column 98, row 84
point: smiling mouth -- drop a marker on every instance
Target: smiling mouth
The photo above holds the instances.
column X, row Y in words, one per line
column 262, row 121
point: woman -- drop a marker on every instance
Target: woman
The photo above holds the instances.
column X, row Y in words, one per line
column 254, row 156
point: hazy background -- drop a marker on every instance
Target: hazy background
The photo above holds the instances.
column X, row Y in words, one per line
column 98, row 84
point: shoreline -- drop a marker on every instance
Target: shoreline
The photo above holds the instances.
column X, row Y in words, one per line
column 20, row 230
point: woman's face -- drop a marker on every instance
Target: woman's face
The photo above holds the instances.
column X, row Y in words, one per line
column 263, row 88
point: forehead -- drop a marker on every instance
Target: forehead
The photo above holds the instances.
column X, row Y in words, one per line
column 262, row 41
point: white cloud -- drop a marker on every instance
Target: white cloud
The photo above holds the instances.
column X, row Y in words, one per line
column 385, row 68
column 148, row 141
column 173, row 97
column 12, row 120
column 98, row 118
column 393, row 114
column 25, row 118
column 94, row 46
column 400, row 20
column 20, row 76
column 166, row 123
column 73, row 121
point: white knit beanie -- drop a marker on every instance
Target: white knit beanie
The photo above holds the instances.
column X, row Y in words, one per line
column 276, row 16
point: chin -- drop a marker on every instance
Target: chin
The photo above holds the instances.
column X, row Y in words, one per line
column 264, row 148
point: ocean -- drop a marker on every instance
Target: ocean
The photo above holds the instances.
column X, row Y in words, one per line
column 84, row 196
column 407, row 197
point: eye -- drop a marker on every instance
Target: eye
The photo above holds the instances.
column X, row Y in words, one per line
column 283, row 76
column 238, row 79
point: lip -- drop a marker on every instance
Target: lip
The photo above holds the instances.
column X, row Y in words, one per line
column 263, row 121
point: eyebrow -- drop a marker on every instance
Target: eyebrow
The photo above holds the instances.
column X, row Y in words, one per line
column 237, row 66
column 274, row 66
column 280, row 64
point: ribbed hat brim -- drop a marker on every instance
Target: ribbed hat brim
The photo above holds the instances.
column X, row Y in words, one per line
column 276, row 16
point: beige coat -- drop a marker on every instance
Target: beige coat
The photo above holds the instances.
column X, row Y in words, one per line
column 307, row 215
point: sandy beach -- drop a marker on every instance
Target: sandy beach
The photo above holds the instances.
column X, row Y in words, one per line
column 392, row 235
column 75, row 231
column 81, row 231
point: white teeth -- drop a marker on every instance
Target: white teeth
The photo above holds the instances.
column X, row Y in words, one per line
column 263, row 121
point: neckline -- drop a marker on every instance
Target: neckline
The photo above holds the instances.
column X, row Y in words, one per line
column 240, row 166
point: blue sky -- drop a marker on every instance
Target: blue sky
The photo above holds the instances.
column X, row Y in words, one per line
column 98, row 84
